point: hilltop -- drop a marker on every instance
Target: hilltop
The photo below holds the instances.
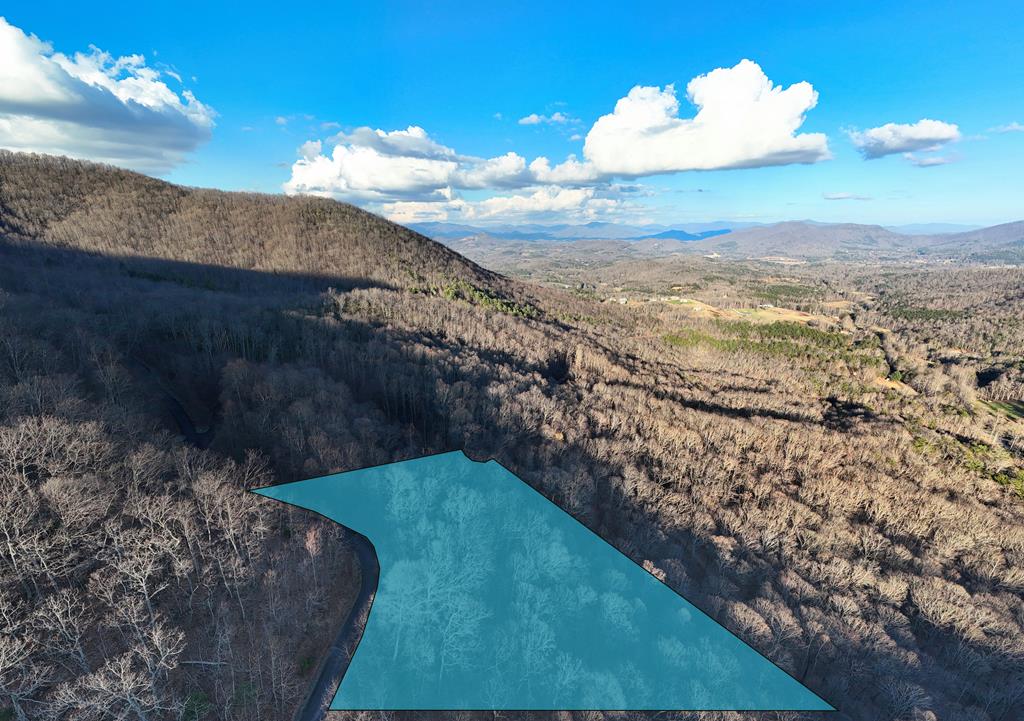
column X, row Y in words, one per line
column 67, row 203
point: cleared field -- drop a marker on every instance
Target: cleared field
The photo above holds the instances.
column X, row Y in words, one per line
column 894, row 385
column 761, row 314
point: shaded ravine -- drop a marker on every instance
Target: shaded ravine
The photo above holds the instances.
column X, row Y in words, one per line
column 336, row 662
column 332, row 667
column 186, row 426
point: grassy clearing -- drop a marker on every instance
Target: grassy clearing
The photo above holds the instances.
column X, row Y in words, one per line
column 762, row 315
column 1010, row 409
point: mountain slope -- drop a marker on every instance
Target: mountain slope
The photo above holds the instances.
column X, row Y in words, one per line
column 851, row 241
column 804, row 240
column 999, row 242
column 98, row 208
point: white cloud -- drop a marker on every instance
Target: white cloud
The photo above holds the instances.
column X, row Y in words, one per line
column 545, row 203
column 310, row 149
column 569, row 171
column 412, row 142
column 550, row 199
column 845, row 196
column 379, row 165
column 419, row 211
column 94, row 106
column 505, row 171
column 927, row 161
column 893, row 138
column 1013, row 127
column 556, row 118
column 743, row 121
column 358, row 172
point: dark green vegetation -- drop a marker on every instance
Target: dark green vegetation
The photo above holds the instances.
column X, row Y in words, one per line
column 784, row 292
column 904, row 313
column 860, row 535
column 782, row 339
column 1012, row 409
column 461, row 290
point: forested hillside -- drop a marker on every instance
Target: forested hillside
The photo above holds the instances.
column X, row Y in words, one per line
column 867, row 538
column 66, row 203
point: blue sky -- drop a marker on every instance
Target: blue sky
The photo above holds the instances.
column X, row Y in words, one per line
column 849, row 84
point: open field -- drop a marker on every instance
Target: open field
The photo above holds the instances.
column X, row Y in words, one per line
column 760, row 314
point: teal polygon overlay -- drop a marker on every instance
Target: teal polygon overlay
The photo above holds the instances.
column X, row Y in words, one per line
column 492, row 597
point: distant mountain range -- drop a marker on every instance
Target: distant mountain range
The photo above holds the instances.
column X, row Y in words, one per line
column 797, row 240
column 599, row 230
column 849, row 241
column 932, row 228
column 596, row 230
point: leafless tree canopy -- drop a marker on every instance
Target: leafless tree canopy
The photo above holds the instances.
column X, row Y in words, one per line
column 845, row 497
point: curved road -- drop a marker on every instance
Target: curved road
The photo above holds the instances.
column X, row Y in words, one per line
column 339, row 655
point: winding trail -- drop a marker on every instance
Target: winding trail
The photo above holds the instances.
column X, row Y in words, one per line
column 334, row 665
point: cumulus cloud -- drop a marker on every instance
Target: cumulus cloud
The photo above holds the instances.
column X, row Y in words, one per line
column 310, row 149
column 892, row 138
column 412, row 142
column 1013, row 127
column 364, row 172
column 544, row 203
column 743, row 120
column 93, row 105
column 550, row 199
column 572, row 170
column 379, row 165
column 557, row 118
column 505, row 171
column 845, row 196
